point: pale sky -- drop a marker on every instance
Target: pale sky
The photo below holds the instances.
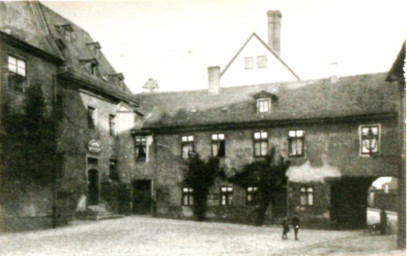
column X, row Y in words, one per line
column 175, row 41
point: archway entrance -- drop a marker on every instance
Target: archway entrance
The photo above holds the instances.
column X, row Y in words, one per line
column 383, row 194
column 93, row 187
column 348, row 202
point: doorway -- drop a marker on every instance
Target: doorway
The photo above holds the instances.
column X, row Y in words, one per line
column 142, row 197
column 93, row 187
column 348, row 202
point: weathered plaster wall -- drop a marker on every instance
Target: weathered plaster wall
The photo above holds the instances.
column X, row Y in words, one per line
column 337, row 144
column 75, row 135
column 35, row 201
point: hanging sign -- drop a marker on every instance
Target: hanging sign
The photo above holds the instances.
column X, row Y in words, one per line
column 95, row 146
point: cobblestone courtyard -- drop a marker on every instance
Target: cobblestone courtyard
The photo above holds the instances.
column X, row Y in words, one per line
column 149, row 236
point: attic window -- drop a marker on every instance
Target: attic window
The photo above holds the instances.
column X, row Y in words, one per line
column 264, row 101
column 66, row 31
column 94, row 69
column 261, row 61
column 248, row 62
column 95, row 47
column 60, row 44
column 264, row 105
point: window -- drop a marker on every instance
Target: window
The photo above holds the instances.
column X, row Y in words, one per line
column 251, row 195
column 306, row 196
column 187, row 196
column 226, row 195
column 113, row 174
column 261, row 61
column 369, row 139
column 92, row 162
column 248, row 62
column 17, row 73
column 296, row 143
column 260, row 143
column 94, row 69
column 187, row 146
column 91, row 117
column 141, row 148
column 218, row 145
column 67, row 35
column 59, row 105
column 112, row 125
column 264, row 105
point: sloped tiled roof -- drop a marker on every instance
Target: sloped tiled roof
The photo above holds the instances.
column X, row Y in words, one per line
column 396, row 72
column 302, row 100
column 37, row 25
column 22, row 20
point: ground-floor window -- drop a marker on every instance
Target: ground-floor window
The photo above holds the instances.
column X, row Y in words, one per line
column 251, row 195
column 306, row 195
column 187, row 196
column 226, row 195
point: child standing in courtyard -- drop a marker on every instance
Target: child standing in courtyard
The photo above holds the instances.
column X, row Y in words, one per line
column 286, row 228
column 296, row 225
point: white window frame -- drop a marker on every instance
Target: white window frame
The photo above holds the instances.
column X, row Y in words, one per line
column 293, row 137
column 187, row 140
column 226, row 195
column 248, row 63
column 260, row 137
column 307, row 195
column 261, row 61
column 140, row 141
column 17, row 67
column 251, row 193
column 379, row 131
column 263, row 105
column 187, row 196
column 217, row 140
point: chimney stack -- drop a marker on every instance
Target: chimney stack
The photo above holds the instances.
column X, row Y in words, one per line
column 334, row 72
column 274, row 29
column 214, row 80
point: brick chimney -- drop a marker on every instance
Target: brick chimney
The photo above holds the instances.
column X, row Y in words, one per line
column 274, row 28
column 214, row 80
column 334, row 72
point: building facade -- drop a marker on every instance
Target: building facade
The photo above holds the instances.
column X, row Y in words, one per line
column 338, row 133
column 92, row 106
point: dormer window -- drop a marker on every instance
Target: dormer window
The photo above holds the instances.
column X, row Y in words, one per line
column 67, row 35
column 66, row 31
column 92, row 65
column 118, row 78
column 264, row 105
column 95, row 47
column 265, row 101
column 94, row 69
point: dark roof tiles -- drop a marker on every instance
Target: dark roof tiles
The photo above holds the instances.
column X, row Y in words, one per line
column 350, row 96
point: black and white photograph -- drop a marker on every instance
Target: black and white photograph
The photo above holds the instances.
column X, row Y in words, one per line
column 202, row 127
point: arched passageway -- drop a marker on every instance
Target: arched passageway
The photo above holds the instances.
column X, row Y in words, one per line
column 383, row 194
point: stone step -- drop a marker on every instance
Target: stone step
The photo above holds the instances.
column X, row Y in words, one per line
column 98, row 216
